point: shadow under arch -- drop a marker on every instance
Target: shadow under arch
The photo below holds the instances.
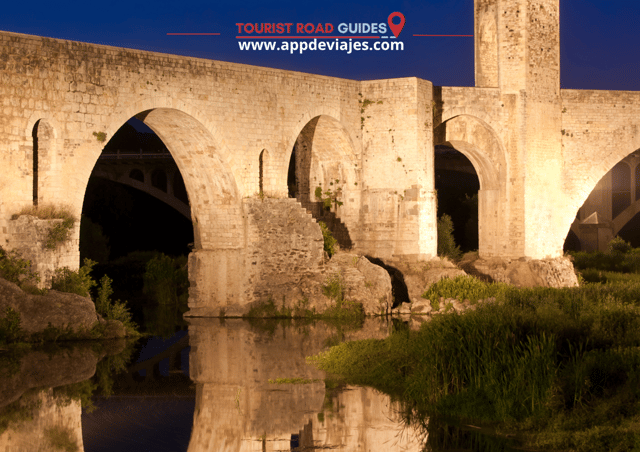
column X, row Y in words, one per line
column 475, row 139
column 323, row 158
column 610, row 204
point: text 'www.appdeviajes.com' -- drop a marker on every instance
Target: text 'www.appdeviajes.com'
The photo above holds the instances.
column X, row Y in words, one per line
column 335, row 45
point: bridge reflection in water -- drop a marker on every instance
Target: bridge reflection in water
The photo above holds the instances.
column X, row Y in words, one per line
column 239, row 406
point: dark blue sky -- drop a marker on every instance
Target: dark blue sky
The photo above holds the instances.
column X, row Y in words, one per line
column 599, row 39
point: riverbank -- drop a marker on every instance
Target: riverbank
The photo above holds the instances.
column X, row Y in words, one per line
column 560, row 367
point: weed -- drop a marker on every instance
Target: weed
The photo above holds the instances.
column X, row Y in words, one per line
column 78, row 282
column 334, row 287
column 330, row 242
column 10, row 330
column 100, row 136
column 446, row 244
column 113, row 310
column 18, row 271
column 61, row 438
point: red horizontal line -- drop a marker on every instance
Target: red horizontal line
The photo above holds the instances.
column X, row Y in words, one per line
column 193, row 34
column 307, row 37
column 463, row 36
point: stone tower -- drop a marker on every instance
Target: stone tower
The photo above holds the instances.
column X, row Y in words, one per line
column 517, row 50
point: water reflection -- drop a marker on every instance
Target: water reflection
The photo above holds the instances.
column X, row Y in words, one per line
column 224, row 386
column 40, row 392
column 255, row 392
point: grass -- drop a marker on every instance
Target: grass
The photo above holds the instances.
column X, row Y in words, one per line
column 462, row 288
column 562, row 366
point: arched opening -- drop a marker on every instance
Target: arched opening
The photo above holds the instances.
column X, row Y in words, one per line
column 159, row 179
column 469, row 146
column 42, row 136
column 610, row 209
column 322, row 175
column 137, row 174
column 214, row 239
column 457, row 185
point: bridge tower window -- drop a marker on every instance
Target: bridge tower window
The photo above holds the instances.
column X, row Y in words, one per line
column 620, row 188
column 637, row 174
column 137, row 174
column 159, row 180
column 261, row 171
column 34, row 135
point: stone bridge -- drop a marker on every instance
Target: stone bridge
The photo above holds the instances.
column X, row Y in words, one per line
column 155, row 174
column 231, row 128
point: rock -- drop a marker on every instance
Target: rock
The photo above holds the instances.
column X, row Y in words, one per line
column 364, row 282
column 59, row 309
column 404, row 308
column 361, row 281
column 421, row 307
column 113, row 329
column 419, row 276
column 556, row 272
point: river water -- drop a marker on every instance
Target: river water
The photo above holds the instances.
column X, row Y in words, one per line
column 220, row 385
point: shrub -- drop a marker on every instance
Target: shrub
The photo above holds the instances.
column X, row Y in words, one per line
column 78, row 282
column 618, row 245
column 446, row 243
column 113, row 310
column 329, row 241
column 17, row 270
column 166, row 279
column 10, row 330
column 334, row 287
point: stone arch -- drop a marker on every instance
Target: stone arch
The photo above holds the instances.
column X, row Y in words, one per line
column 606, row 219
column 216, row 209
column 323, row 156
column 474, row 138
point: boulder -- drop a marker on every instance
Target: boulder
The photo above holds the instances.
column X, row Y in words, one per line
column 361, row 281
column 523, row 272
column 61, row 310
column 419, row 276
column 364, row 282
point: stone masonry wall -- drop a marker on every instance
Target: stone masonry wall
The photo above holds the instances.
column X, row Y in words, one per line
column 599, row 129
column 28, row 236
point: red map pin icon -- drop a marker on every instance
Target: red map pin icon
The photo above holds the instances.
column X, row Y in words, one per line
column 396, row 29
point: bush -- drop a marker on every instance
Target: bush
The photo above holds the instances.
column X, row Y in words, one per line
column 78, row 282
column 166, row 279
column 17, row 270
column 446, row 243
column 113, row 310
column 618, row 245
column 329, row 241
column 10, row 330
column 334, row 287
